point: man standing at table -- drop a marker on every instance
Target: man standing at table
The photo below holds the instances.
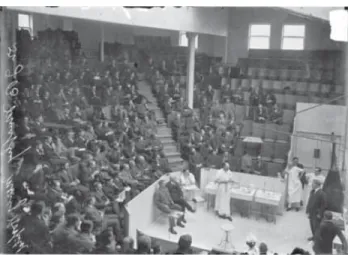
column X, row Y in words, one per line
column 294, row 186
column 222, row 201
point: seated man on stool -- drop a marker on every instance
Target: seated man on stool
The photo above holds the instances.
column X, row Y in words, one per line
column 164, row 203
column 177, row 195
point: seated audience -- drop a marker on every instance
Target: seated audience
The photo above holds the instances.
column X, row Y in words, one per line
column 184, row 245
column 259, row 167
column 144, row 245
column 246, row 166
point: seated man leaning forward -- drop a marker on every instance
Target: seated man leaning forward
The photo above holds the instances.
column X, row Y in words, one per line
column 165, row 204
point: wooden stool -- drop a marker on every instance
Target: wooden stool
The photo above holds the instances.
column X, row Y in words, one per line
column 226, row 242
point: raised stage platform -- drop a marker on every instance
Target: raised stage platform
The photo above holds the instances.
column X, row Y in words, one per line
column 291, row 230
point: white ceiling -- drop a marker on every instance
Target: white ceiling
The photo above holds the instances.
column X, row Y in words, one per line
column 316, row 12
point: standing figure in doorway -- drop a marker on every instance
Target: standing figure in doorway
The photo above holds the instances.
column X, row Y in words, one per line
column 222, row 202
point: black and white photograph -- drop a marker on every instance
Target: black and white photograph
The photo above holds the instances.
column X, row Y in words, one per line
column 174, row 129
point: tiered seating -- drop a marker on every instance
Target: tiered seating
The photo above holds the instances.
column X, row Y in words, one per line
column 95, row 140
column 303, row 78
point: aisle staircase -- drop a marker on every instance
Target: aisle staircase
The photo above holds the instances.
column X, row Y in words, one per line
column 163, row 132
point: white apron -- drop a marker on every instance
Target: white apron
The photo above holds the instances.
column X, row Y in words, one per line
column 294, row 185
column 222, row 200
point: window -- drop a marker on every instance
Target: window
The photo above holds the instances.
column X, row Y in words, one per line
column 25, row 21
column 259, row 36
column 293, row 37
column 183, row 41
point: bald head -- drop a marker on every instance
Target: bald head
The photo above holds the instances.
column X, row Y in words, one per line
column 316, row 183
column 173, row 178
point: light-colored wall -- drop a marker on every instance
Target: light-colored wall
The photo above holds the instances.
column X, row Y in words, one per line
column 90, row 33
column 312, row 130
column 191, row 19
column 43, row 22
column 317, row 32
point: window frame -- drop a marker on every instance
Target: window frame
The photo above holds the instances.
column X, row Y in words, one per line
column 259, row 36
column 30, row 19
column 294, row 36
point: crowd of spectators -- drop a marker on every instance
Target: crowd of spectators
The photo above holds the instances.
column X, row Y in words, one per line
column 208, row 135
column 87, row 144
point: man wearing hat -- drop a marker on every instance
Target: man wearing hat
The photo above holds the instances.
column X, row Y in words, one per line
column 316, row 206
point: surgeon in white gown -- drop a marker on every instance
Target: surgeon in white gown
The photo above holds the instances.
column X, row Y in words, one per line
column 224, row 181
column 294, row 187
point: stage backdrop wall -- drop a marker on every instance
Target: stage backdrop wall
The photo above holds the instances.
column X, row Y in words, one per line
column 312, row 130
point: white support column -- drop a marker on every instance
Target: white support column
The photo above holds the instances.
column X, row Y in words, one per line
column 226, row 50
column 190, row 76
column 102, row 43
column 227, row 40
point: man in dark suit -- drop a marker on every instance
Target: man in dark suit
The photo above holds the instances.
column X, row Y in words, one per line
column 35, row 232
column 84, row 241
column 325, row 234
column 195, row 163
column 316, row 206
column 63, row 236
column 177, row 195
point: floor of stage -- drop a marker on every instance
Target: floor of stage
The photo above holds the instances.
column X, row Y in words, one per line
column 291, row 230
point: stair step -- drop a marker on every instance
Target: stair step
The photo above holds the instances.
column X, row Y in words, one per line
column 163, row 135
column 170, row 149
column 175, row 159
column 172, row 154
column 170, row 146
column 162, row 124
column 167, row 140
column 164, row 129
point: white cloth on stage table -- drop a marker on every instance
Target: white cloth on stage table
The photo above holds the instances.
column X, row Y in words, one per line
column 294, row 185
column 222, row 200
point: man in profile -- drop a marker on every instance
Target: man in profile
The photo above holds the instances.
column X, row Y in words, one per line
column 325, row 234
